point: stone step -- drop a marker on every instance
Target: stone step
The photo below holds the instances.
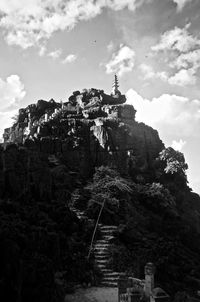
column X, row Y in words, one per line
column 99, row 257
column 107, row 233
column 101, row 266
column 77, row 211
column 108, row 227
column 81, row 216
column 106, row 271
column 101, row 245
column 80, row 213
column 109, row 284
column 101, row 252
column 107, row 237
column 111, row 274
column 101, row 261
column 102, row 241
column 101, row 249
column 114, row 280
column 107, row 230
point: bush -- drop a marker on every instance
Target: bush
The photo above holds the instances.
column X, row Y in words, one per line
column 107, row 189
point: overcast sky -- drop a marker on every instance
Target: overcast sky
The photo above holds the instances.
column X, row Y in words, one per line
column 50, row 48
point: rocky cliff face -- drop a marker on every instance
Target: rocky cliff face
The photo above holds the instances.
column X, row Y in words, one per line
column 91, row 129
column 47, row 162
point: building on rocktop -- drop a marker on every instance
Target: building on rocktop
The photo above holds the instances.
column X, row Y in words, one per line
column 115, row 91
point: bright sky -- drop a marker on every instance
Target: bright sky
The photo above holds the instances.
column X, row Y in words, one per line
column 50, row 48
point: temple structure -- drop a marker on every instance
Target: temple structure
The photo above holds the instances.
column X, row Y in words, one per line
column 131, row 289
column 115, row 86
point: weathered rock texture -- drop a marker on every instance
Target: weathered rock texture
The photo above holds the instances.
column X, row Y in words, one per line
column 90, row 130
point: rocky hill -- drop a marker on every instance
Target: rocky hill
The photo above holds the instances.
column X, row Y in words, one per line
column 90, row 130
column 62, row 159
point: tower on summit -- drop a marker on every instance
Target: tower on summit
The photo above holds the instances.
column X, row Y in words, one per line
column 115, row 86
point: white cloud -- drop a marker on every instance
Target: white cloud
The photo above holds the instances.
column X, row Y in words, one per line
column 6, row 120
column 42, row 51
column 181, row 3
column 11, row 92
column 149, row 73
column 69, row 58
column 183, row 52
column 119, row 4
column 122, row 61
column 55, row 54
column 183, row 77
column 188, row 60
column 178, row 145
column 169, row 114
column 110, row 46
column 178, row 39
column 174, row 117
column 28, row 23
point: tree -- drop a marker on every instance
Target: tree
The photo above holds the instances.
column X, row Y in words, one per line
column 15, row 118
column 174, row 161
column 105, row 191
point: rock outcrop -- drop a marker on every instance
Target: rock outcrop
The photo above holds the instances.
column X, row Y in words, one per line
column 91, row 129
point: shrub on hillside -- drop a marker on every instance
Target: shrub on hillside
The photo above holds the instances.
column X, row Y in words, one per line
column 107, row 190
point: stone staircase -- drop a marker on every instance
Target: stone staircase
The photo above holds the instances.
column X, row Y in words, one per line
column 74, row 197
column 101, row 253
column 79, row 214
column 110, row 278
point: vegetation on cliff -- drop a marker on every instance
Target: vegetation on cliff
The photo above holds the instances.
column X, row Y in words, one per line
column 99, row 160
column 152, row 227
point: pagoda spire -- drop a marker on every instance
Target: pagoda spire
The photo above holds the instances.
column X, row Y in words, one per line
column 115, row 85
